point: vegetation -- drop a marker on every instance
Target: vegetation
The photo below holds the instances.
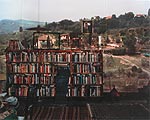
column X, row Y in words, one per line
column 119, row 51
column 129, row 27
column 102, row 25
column 130, row 42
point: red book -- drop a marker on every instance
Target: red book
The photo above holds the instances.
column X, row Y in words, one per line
column 42, row 68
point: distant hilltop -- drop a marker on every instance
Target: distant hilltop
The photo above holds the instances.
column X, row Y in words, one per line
column 9, row 26
column 101, row 25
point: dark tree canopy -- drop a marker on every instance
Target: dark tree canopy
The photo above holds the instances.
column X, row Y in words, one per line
column 102, row 25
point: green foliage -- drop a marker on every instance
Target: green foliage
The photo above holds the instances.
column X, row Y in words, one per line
column 64, row 26
column 119, row 51
column 102, row 25
column 129, row 41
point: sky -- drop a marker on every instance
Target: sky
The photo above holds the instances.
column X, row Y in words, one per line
column 57, row 10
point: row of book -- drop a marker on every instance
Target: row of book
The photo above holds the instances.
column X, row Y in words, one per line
column 28, row 79
column 86, row 79
column 55, row 57
column 41, row 91
column 23, row 56
column 51, row 91
column 86, row 57
column 47, row 79
column 20, row 91
column 84, row 91
column 87, row 68
column 30, row 68
column 49, row 68
column 35, row 56
column 46, row 91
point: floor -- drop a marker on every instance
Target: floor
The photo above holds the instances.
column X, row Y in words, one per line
column 73, row 110
column 119, row 111
column 60, row 112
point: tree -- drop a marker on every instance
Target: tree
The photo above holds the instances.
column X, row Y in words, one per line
column 114, row 16
column 129, row 16
column 130, row 41
column 113, row 23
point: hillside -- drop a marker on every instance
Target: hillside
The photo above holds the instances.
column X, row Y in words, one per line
column 103, row 25
column 9, row 26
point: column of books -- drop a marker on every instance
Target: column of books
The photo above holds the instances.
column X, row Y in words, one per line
column 87, row 73
column 34, row 67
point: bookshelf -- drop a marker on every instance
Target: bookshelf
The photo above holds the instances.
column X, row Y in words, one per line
column 86, row 73
column 38, row 68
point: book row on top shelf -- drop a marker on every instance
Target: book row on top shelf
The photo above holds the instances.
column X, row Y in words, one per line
column 54, row 56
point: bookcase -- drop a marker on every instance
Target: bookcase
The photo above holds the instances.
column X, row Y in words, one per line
column 38, row 68
column 86, row 73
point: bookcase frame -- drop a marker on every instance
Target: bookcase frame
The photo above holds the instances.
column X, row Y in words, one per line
column 37, row 67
